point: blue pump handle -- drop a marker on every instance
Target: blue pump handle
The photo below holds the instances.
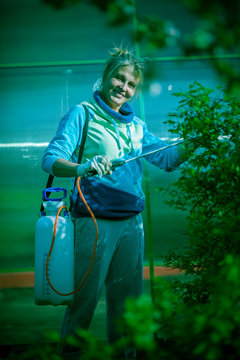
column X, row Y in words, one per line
column 46, row 192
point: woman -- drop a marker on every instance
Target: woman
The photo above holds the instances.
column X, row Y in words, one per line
column 116, row 198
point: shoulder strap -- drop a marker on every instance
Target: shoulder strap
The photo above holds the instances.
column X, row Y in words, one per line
column 84, row 135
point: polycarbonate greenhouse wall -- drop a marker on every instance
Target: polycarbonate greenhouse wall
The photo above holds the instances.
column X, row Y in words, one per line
column 49, row 61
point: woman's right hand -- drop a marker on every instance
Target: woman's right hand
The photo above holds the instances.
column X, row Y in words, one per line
column 99, row 164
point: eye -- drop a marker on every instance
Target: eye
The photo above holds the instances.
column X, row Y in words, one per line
column 119, row 77
column 132, row 85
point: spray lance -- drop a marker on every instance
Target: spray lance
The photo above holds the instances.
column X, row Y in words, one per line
column 117, row 163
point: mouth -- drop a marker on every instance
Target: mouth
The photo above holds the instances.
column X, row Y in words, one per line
column 118, row 94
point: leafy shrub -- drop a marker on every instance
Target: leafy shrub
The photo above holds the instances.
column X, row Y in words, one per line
column 208, row 187
column 178, row 331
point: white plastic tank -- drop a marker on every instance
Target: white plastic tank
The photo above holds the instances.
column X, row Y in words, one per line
column 61, row 263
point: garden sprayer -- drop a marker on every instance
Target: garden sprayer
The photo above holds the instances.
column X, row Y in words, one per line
column 54, row 243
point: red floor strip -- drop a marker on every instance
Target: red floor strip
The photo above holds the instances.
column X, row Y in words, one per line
column 16, row 280
column 26, row 279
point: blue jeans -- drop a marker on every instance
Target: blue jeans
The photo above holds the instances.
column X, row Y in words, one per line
column 118, row 265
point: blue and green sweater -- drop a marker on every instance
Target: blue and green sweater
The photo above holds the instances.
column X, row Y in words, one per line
column 117, row 135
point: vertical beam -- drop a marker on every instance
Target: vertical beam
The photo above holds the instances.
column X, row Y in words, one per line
column 146, row 174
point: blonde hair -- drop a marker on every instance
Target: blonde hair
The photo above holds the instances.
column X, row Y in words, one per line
column 123, row 57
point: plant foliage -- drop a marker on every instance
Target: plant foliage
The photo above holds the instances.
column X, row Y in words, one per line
column 209, row 186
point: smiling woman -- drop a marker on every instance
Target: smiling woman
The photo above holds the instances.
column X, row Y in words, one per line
column 115, row 197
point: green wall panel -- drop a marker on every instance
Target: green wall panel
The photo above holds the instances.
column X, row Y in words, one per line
column 33, row 100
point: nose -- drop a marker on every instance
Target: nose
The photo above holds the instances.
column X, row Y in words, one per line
column 123, row 86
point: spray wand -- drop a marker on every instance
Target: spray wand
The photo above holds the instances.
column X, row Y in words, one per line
column 117, row 163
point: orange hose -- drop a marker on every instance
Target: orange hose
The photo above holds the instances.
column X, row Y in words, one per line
column 53, row 240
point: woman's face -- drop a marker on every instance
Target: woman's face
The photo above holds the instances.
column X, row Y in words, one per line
column 119, row 87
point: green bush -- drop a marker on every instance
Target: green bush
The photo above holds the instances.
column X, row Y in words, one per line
column 174, row 330
column 208, row 187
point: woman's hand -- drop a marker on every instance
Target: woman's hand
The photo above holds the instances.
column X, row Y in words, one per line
column 99, row 164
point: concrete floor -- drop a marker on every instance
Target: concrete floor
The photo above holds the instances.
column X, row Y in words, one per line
column 24, row 324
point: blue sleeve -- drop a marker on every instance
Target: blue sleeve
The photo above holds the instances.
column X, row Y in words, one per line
column 67, row 138
column 168, row 159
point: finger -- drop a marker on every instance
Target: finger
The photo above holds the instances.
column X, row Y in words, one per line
column 104, row 163
column 107, row 163
column 102, row 167
column 95, row 165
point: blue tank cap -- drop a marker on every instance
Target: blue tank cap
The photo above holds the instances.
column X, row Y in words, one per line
column 46, row 192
